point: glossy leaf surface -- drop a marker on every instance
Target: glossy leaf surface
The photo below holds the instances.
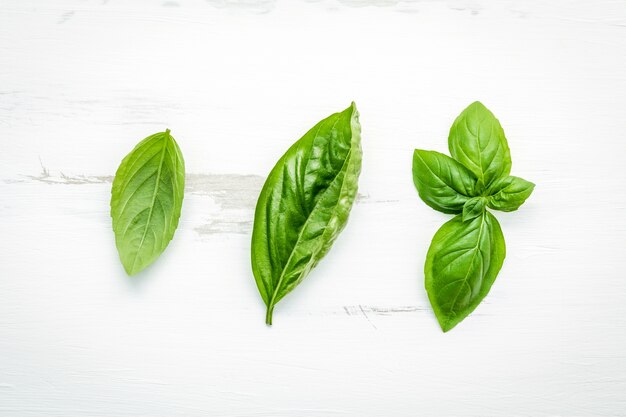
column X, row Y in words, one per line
column 461, row 265
column 146, row 200
column 509, row 193
column 477, row 141
column 442, row 183
column 305, row 204
column 474, row 207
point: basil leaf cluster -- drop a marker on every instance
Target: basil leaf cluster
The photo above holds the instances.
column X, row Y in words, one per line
column 305, row 204
column 468, row 251
column 146, row 200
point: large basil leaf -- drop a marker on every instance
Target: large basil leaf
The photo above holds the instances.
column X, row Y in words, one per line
column 461, row 265
column 304, row 205
column 443, row 183
column 146, row 200
column 507, row 194
column 478, row 142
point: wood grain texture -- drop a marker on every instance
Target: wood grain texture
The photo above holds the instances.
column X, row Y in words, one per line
column 237, row 82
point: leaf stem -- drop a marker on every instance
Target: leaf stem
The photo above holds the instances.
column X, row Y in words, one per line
column 268, row 316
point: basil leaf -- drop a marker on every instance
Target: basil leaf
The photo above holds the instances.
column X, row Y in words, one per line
column 478, row 142
column 509, row 193
column 146, row 200
column 461, row 265
column 443, row 183
column 474, row 207
column 305, row 204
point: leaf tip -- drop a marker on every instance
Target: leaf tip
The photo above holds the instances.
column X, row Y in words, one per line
column 477, row 104
column 417, row 152
column 132, row 268
column 131, row 264
column 352, row 110
column 129, row 270
column 447, row 325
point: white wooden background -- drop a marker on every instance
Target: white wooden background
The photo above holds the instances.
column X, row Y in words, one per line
column 237, row 81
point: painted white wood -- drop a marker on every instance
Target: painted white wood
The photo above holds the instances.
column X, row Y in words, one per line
column 237, row 81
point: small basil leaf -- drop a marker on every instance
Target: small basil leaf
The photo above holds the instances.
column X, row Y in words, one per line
column 146, row 200
column 443, row 183
column 477, row 141
column 474, row 207
column 509, row 193
column 461, row 265
column 305, row 204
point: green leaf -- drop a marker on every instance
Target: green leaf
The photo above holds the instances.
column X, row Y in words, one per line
column 461, row 265
column 509, row 193
column 477, row 141
column 305, row 204
column 443, row 183
column 474, row 207
column 146, row 200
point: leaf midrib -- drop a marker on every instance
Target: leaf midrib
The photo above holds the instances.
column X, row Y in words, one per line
column 465, row 279
column 154, row 195
column 293, row 250
column 438, row 177
column 480, row 158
